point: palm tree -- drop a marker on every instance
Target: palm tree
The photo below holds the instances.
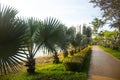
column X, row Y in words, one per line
column 65, row 43
column 88, row 34
column 12, row 32
column 32, row 48
column 84, row 41
column 78, row 40
column 71, row 37
column 50, row 35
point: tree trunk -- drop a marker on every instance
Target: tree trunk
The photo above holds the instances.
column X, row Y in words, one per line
column 56, row 58
column 79, row 49
column 75, row 50
column 65, row 54
column 31, row 65
column 71, row 53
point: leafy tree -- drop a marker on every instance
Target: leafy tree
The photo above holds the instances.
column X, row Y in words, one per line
column 96, row 24
column 111, row 11
column 110, row 8
column 108, row 39
column 111, row 39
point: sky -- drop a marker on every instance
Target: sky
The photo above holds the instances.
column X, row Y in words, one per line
column 69, row 12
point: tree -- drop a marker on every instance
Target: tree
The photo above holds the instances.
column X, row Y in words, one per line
column 88, row 34
column 86, row 38
column 32, row 48
column 110, row 8
column 12, row 33
column 111, row 39
column 71, row 37
column 111, row 11
column 96, row 24
column 116, row 24
column 65, row 44
column 50, row 35
column 84, row 29
column 108, row 39
column 77, row 42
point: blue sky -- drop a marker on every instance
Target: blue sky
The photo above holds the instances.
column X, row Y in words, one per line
column 70, row 12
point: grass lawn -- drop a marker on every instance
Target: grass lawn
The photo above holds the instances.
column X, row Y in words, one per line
column 49, row 71
column 112, row 52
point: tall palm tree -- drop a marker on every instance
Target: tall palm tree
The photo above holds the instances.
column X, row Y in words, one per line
column 12, row 32
column 50, row 35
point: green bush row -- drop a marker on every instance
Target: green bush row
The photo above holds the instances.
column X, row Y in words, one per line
column 75, row 62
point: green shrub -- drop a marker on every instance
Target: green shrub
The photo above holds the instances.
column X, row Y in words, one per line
column 75, row 63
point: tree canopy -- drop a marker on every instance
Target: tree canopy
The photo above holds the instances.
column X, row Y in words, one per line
column 111, row 10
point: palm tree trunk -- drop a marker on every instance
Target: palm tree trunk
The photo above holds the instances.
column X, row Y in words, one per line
column 56, row 58
column 31, row 65
column 65, row 54
column 79, row 49
column 75, row 51
column 71, row 53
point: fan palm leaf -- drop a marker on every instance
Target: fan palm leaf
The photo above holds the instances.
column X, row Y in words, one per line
column 32, row 26
column 50, row 34
column 12, row 45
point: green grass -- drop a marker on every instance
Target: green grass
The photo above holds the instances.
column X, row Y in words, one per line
column 112, row 52
column 49, row 71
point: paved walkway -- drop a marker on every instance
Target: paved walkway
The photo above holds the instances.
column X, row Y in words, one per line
column 103, row 66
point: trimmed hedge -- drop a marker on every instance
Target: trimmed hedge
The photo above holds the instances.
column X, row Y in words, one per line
column 75, row 62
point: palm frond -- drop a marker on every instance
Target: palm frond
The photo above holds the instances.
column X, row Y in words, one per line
column 12, row 33
column 49, row 34
column 32, row 25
